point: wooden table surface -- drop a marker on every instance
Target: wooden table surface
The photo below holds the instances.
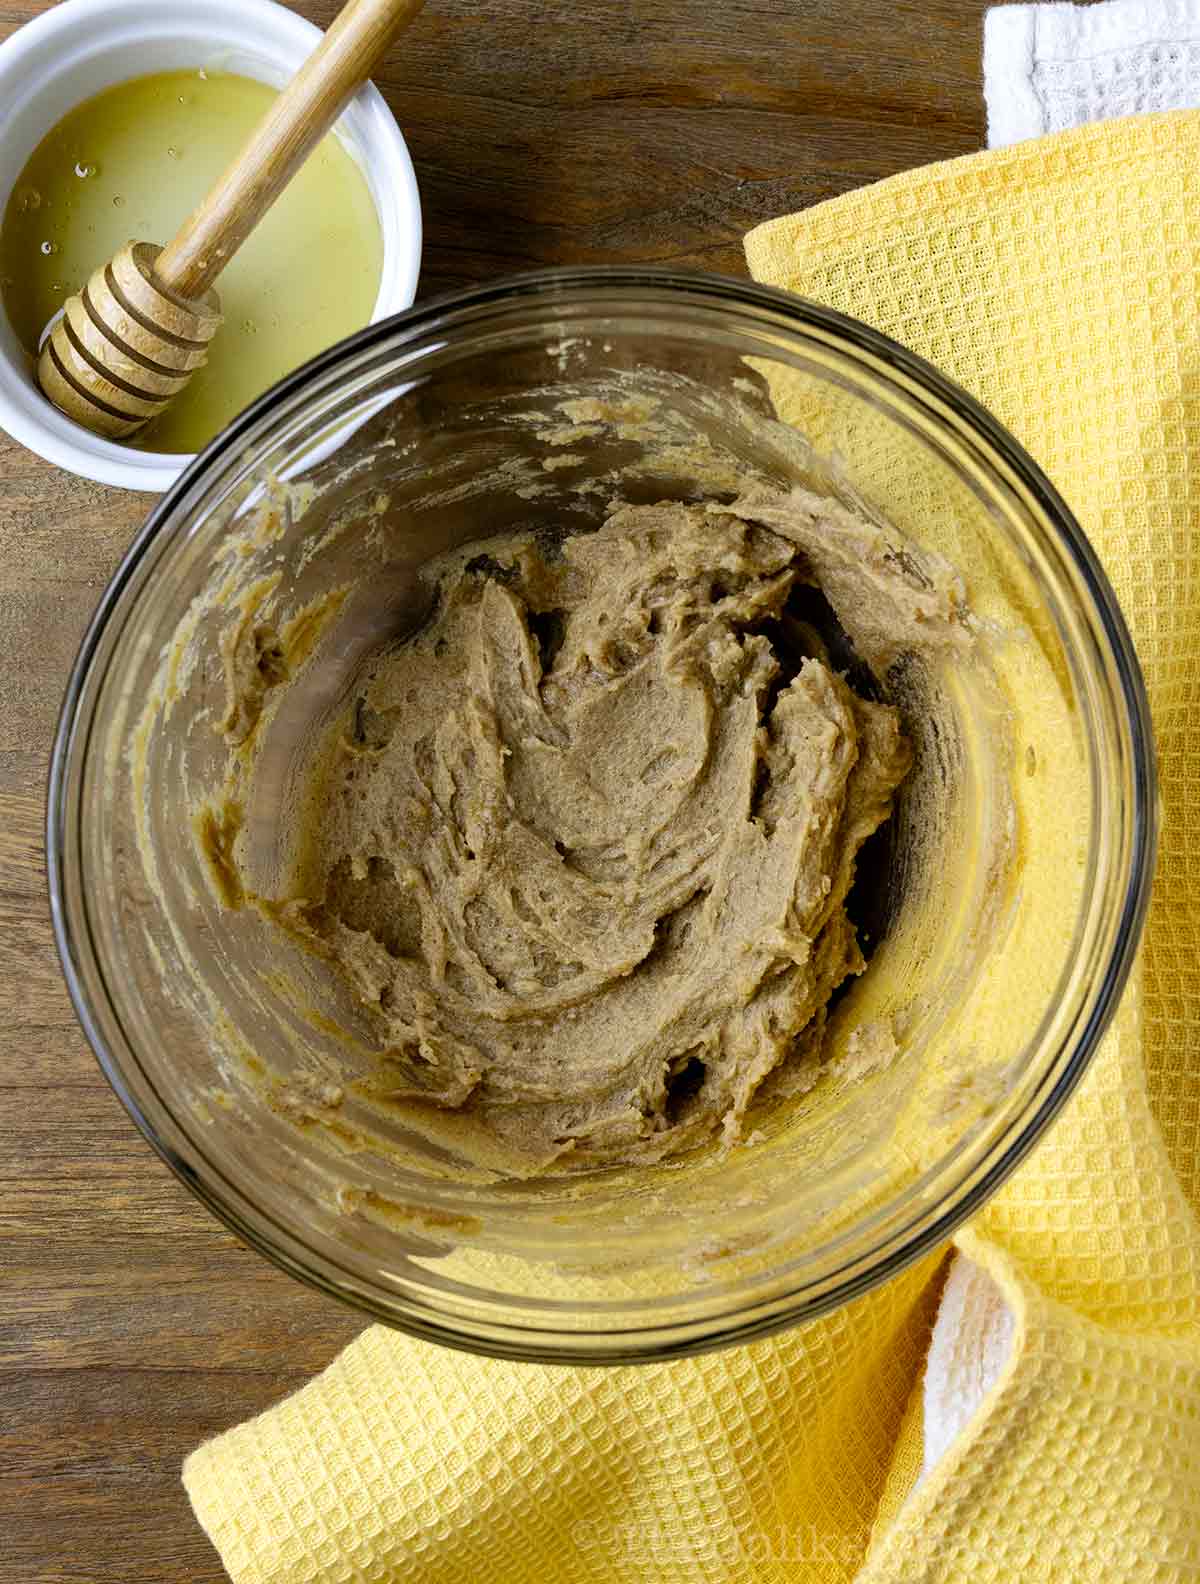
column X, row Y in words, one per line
column 132, row 1325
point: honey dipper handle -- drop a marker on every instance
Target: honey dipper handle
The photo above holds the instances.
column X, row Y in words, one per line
column 357, row 40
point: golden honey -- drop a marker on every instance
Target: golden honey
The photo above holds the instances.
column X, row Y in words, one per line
column 131, row 164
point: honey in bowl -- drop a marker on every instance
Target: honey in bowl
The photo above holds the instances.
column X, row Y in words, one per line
column 132, row 163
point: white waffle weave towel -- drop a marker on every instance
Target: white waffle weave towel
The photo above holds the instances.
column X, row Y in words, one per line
column 1050, row 67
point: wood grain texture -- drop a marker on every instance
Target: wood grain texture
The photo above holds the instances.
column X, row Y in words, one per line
column 543, row 131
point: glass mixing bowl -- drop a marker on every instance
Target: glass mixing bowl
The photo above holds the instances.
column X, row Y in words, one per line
column 1008, row 900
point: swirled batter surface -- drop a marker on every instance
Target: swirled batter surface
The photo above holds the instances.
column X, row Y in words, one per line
column 583, row 843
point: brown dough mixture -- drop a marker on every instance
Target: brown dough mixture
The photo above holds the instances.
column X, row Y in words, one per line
column 583, row 843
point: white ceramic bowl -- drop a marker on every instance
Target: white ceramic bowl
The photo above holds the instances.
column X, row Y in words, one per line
column 79, row 48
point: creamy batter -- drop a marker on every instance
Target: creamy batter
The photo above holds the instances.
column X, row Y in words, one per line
column 583, row 843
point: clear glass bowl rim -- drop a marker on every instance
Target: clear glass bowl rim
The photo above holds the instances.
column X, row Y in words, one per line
column 641, row 287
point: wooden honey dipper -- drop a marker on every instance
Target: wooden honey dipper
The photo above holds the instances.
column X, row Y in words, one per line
column 130, row 341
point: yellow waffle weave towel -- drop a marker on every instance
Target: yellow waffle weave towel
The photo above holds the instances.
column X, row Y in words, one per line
column 1058, row 281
